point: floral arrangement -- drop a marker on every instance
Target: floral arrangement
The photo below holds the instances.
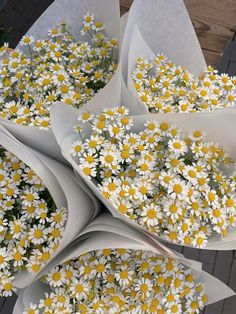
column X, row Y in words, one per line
column 179, row 187
column 164, row 87
column 121, row 281
column 58, row 163
column 30, row 223
column 58, row 68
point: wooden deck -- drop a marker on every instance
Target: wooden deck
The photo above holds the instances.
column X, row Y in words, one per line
column 215, row 24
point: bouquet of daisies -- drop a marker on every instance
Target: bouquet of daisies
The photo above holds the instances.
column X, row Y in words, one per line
column 163, row 87
column 163, row 66
column 40, row 200
column 165, row 177
column 113, row 268
column 68, row 55
column 172, row 176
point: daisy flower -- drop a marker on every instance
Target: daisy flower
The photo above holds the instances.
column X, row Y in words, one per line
column 141, row 282
column 151, row 214
column 27, row 40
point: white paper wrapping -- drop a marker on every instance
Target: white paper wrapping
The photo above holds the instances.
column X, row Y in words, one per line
column 159, row 27
column 149, row 36
column 64, row 188
column 72, row 12
column 167, row 28
column 219, row 126
column 121, row 236
column 40, row 139
column 33, row 294
column 108, row 231
column 138, row 48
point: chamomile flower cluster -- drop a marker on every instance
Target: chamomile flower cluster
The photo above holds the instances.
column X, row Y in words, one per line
column 30, row 223
column 57, row 68
column 179, row 187
column 164, row 87
column 121, row 281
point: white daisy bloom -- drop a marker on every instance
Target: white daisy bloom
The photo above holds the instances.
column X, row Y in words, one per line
column 38, row 234
column 32, row 309
column 56, row 277
column 26, row 40
column 177, row 189
column 79, row 289
column 177, row 146
column 151, row 214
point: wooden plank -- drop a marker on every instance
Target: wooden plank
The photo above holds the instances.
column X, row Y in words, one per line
column 216, row 308
column 233, row 52
column 9, row 304
column 174, row 247
column 223, row 64
column 191, row 253
column 212, row 57
column 221, row 271
column 230, row 303
column 126, row 4
column 207, row 258
column 212, row 36
column 232, row 68
column 2, row 301
column 215, row 24
column 222, row 12
column 123, row 10
column 223, row 265
column 8, row 6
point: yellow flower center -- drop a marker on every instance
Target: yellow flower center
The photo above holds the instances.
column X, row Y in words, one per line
column 144, row 288
column 7, row 286
column 56, row 276
column 87, row 171
column 100, row 268
column 124, row 274
column 38, row 234
column 35, row 268
column 109, row 158
column 151, row 214
column 177, row 188
column 29, row 197
column 211, row 197
column 194, row 305
column 170, row 298
column 17, row 256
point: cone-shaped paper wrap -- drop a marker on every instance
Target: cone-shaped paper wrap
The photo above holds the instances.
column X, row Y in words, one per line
column 72, row 12
column 150, row 31
column 219, row 127
column 108, row 232
column 166, row 27
column 64, row 188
